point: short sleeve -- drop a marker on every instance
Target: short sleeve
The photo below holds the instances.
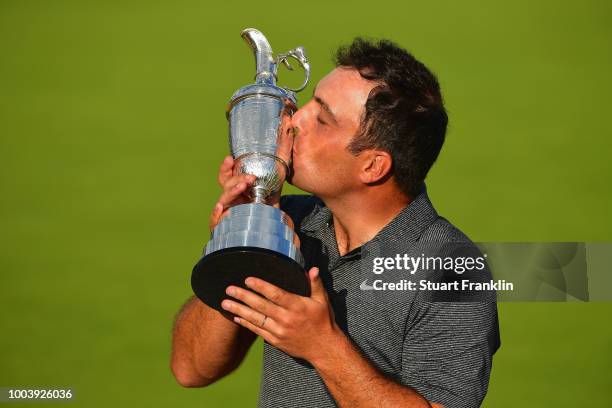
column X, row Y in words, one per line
column 448, row 349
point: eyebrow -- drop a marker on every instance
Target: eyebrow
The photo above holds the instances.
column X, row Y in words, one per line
column 325, row 107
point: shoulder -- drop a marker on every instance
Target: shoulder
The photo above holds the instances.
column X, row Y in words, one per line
column 421, row 222
column 442, row 238
column 443, row 230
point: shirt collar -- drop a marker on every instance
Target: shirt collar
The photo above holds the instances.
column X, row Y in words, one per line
column 409, row 224
column 320, row 217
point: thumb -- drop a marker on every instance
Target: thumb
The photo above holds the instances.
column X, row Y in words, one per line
column 215, row 216
column 317, row 289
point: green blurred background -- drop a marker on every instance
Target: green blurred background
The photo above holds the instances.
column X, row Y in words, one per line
column 112, row 127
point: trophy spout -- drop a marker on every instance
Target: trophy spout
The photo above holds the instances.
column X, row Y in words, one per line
column 265, row 64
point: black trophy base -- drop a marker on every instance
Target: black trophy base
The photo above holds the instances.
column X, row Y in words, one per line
column 216, row 271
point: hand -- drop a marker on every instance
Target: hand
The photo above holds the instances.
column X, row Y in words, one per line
column 302, row 327
column 234, row 190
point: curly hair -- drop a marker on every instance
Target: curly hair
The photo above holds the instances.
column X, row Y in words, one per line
column 404, row 113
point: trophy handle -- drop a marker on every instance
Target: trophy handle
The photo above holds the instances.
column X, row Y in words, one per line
column 300, row 55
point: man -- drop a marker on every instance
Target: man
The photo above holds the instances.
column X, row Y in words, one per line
column 363, row 146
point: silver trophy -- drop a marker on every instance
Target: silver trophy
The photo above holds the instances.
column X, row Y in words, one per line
column 256, row 239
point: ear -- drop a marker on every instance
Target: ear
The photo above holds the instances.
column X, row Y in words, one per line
column 376, row 166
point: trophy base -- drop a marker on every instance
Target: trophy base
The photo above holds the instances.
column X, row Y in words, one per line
column 231, row 266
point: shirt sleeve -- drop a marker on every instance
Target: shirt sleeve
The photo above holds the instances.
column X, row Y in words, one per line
column 447, row 351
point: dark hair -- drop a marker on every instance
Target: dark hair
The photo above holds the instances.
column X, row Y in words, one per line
column 404, row 114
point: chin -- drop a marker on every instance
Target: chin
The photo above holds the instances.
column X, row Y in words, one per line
column 297, row 182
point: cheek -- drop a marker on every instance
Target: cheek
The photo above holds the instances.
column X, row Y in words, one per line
column 332, row 161
column 323, row 154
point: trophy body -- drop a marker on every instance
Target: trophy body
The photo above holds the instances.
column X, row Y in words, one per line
column 256, row 239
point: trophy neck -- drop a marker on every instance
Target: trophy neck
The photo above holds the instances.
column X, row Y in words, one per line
column 260, row 194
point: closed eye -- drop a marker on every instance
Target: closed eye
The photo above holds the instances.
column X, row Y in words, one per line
column 320, row 121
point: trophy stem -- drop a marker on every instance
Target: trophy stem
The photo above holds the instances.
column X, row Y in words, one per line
column 259, row 195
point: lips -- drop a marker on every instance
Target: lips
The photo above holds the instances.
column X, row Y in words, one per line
column 294, row 146
column 294, row 133
column 294, row 155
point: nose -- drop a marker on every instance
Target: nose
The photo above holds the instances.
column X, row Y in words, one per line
column 297, row 119
column 300, row 119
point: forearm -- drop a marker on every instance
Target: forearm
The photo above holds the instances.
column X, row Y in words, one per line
column 206, row 345
column 354, row 382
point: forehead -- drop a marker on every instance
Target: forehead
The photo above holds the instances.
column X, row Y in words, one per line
column 345, row 92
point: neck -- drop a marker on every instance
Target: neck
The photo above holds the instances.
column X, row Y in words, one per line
column 358, row 217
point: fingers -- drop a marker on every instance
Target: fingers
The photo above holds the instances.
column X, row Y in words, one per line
column 244, row 312
column 273, row 293
column 225, row 170
column 317, row 289
column 254, row 301
column 274, row 200
column 234, row 187
column 215, row 216
column 296, row 241
column 266, row 335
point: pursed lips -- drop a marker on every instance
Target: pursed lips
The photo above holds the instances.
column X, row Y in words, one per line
column 294, row 146
column 295, row 135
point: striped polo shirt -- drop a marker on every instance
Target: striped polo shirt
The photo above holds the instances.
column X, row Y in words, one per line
column 443, row 350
